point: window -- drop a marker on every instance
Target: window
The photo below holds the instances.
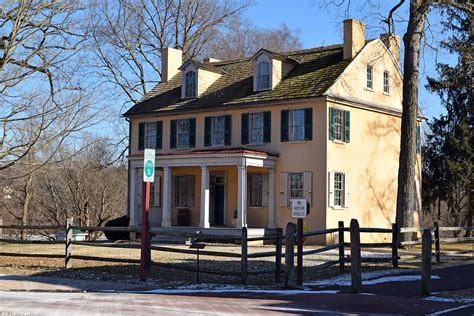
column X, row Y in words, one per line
column 339, row 125
column 256, row 126
column 183, row 191
column 338, row 189
column 217, row 130
column 190, row 84
column 296, row 125
column 150, row 134
column 183, row 132
column 263, row 75
column 153, row 188
column 296, row 185
column 386, row 82
column 255, row 190
column 370, row 84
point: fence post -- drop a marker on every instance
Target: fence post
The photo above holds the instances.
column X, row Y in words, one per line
column 426, row 244
column 279, row 242
column 395, row 242
column 289, row 255
column 356, row 273
column 244, row 262
column 69, row 223
column 437, row 246
column 341, row 245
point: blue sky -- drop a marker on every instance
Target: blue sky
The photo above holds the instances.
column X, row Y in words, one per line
column 323, row 26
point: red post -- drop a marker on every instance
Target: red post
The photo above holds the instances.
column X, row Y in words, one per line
column 144, row 255
column 299, row 262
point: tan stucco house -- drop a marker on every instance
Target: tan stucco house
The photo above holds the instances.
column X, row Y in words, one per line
column 237, row 140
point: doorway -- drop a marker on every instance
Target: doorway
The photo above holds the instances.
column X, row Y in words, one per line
column 217, row 199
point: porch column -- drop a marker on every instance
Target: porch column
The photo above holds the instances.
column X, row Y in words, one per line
column 166, row 215
column 271, row 199
column 133, row 212
column 204, row 216
column 242, row 196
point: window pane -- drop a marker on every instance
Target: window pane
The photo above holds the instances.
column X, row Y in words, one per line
column 338, row 189
column 190, row 84
column 217, row 130
column 369, row 77
column 181, row 194
column 150, row 135
column 296, row 185
column 386, row 84
column 263, row 75
column 256, row 127
column 296, row 125
column 183, row 130
column 338, row 124
column 255, row 190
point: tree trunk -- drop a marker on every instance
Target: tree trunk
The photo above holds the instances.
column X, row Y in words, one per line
column 407, row 161
column 26, row 205
column 470, row 211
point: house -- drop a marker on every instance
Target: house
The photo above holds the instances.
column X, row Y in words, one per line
column 237, row 140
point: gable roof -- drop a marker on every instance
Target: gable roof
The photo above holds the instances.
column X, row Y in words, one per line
column 317, row 70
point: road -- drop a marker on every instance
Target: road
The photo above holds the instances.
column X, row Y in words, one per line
column 44, row 303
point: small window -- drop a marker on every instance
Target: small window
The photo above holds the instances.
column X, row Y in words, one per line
column 296, row 185
column 190, row 84
column 296, row 125
column 183, row 190
column 338, row 189
column 339, row 125
column 217, row 130
column 263, row 75
column 386, row 82
column 370, row 84
column 255, row 187
column 256, row 126
column 182, row 133
column 150, row 134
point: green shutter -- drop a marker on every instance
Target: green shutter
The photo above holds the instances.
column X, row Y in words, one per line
column 228, row 130
column 284, row 125
column 159, row 135
column 141, row 136
column 418, row 139
column 207, row 131
column 347, row 126
column 173, row 134
column 267, row 127
column 245, row 129
column 192, row 132
column 308, row 124
column 331, row 123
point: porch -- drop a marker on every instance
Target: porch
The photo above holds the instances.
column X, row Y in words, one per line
column 216, row 188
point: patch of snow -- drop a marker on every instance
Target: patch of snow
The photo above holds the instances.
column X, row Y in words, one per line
column 450, row 299
column 397, row 278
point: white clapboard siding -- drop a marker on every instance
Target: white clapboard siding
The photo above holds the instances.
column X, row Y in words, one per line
column 284, row 189
column 265, row 189
column 346, row 190
column 308, row 186
column 331, row 190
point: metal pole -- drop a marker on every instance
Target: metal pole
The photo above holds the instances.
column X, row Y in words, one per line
column 299, row 263
column 144, row 232
column 197, row 275
column 426, row 262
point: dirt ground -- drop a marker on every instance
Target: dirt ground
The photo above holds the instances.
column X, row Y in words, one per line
column 168, row 277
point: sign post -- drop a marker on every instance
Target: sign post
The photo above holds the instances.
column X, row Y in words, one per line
column 148, row 177
column 299, row 210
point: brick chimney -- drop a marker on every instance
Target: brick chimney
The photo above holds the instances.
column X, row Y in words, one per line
column 354, row 38
column 171, row 60
column 392, row 42
column 211, row 60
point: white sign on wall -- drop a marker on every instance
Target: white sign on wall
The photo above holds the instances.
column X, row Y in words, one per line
column 299, row 208
column 149, row 165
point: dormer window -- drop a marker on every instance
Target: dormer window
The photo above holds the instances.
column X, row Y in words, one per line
column 263, row 75
column 190, row 84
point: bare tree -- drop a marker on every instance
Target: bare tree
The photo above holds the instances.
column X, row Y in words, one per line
column 242, row 39
column 129, row 35
column 43, row 101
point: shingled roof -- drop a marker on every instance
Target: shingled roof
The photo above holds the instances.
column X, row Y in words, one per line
column 317, row 70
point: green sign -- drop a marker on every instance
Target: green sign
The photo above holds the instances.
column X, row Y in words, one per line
column 149, row 165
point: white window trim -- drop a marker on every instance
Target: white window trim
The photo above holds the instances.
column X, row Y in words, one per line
column 345, row 193
column 263, row 189
column 367, row 88
column 183, row 82
column 263, row 128
column 223, row 143
column 177, row 136
column 302, row 141
column 146, row 145
column 388, row 82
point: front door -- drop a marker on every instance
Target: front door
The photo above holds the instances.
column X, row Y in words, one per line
column 217, row 199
